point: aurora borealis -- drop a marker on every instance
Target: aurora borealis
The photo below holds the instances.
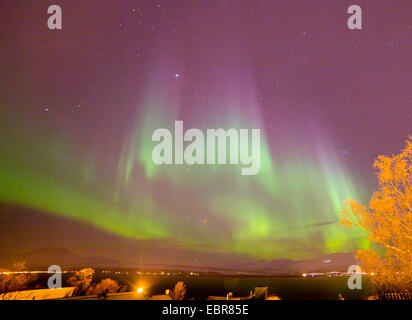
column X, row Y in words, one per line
column 78, row 108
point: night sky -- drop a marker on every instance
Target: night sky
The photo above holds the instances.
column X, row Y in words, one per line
column 78, row 107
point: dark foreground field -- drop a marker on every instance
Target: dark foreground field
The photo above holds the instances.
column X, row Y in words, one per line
column 200, row 287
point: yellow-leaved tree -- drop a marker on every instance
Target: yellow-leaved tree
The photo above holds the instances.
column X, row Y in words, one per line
column 82, row 280
column 105, row 286
column 388, row 221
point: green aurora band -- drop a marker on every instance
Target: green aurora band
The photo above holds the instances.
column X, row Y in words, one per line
column 286, row 211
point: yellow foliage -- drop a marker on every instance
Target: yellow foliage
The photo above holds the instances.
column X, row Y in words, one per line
column 104, row 287
column 82, row 280
column 17, row 281
column 179, row 291
column 388, row 221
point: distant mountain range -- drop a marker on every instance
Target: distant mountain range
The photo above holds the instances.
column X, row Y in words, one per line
column 60, row 256
column 48, row 256
column 327, row 263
